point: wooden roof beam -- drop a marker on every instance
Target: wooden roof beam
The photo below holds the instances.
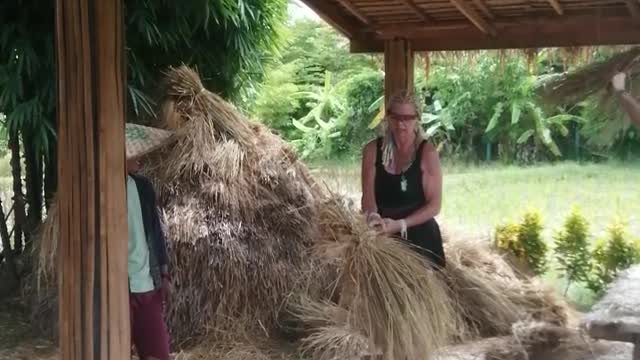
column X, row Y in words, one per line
column 584, row 30
column 421, row 13
column 355, row 11
column 556, row 6
column 332, row 15
column 473, row 16
column 484, row 8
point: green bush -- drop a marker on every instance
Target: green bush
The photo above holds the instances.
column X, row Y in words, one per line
column 524, row 241
column 507, row 239
column 572, row 249
column 530, row 238
column 611, row 256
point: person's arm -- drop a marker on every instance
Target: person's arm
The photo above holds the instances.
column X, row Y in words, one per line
column 368, row 175
column 630, row 104
column 432, row 186
column 158, row 238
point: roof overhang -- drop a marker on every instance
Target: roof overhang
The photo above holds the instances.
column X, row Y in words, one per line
column 482, row 24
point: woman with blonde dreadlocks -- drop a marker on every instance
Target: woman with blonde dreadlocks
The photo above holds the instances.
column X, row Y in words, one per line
column 402, row 180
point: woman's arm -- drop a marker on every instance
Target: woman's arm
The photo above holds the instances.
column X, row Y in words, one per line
column 368, row 175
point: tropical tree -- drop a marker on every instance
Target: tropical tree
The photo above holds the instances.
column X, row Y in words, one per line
column 227, row 40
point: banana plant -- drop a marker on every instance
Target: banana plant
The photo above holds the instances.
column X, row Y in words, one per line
column 521, row 119
column 323, row 101
column 377, row 107
column 323, row 123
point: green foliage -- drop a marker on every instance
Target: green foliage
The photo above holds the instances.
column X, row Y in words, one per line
column 494, row 101
column 317, row 94
column 572, row 248
column 507, row 240
column 360, row 93
column 524, row 241
column 323, row 122
column 530, row 239
column 318, row 48
column 474, row 103
column 611, row 256
column 228, row 41
column 275, row 104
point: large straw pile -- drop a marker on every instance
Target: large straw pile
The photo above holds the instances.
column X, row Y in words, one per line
column 257, row 246
column 238, row 209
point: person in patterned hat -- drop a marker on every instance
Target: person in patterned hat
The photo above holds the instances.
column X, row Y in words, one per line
column 148, row 271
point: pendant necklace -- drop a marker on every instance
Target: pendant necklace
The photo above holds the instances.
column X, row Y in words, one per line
column 404, row 185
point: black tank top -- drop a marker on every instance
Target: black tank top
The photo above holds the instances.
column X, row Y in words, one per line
column 400, row 195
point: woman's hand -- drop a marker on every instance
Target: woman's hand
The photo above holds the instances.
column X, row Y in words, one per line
column 392, row 226
column 374, row 220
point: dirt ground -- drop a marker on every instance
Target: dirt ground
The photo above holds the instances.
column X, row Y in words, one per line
column 16, row 340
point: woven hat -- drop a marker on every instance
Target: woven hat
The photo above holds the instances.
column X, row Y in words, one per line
column 141, row 140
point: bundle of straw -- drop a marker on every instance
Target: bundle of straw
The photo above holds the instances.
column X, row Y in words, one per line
column 542, row 341
column 589, row 80
column 390, row 294
column 492, row 296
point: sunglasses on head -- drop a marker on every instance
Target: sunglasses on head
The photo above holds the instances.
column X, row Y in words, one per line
column 401, row 117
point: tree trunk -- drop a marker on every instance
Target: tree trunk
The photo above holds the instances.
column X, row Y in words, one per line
column 9, row 276
column 34, row 193
column 4, row 234
column 18, row 198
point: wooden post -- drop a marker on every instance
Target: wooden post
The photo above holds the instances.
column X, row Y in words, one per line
column 398, row 66
column 93, row 287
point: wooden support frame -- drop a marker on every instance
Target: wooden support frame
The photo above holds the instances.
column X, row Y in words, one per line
column 398, row 66
column 355, row 11
column 556, row 6
column 331, row 15
column 586, row 30
column 473, row 16
column 484, row 8
column 93, row 288
column 421, row 13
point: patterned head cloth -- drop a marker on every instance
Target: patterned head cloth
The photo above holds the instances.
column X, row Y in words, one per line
column 141, row 140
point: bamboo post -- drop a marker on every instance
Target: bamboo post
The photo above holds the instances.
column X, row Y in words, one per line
column 93, row 290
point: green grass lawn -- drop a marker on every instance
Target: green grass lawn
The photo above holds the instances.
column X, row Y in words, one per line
column 476, row 199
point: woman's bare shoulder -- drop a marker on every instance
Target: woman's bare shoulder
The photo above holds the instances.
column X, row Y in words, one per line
column 430, row 156
column 370, row 147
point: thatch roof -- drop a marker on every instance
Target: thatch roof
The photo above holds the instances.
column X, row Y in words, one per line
column 482, row 24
